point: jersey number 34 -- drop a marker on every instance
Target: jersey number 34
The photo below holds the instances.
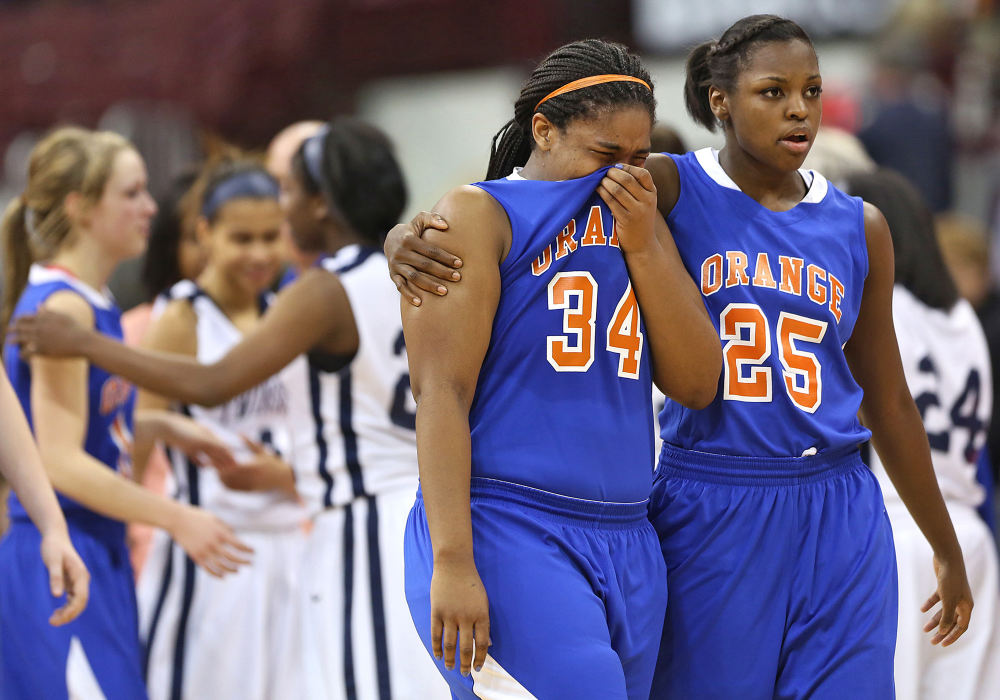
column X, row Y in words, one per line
column 575, row 293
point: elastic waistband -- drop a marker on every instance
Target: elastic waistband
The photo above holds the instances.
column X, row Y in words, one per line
column 604, row 514
column 756, row 471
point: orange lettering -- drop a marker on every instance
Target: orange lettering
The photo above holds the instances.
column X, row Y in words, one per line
column 711, row 275
column 736, row 262
column 817, row 291
column 542, row 262
column 762, row 276
column 791, row 274
column 836, row 296
column 564, row 241
column 594, row 234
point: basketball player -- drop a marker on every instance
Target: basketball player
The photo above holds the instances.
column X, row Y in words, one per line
column 947, row 367
column 771, row 526
column 203, row 637
column 84, row 210
column 531, row 570
column 354, row 450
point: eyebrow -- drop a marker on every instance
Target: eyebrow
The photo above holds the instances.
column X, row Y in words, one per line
column 614, row 146
column 777, row 79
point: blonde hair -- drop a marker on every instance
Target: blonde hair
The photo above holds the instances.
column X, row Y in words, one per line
column 35, row 224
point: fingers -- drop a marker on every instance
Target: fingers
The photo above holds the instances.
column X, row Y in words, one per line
column 449, row 641
column 255, row 447
column 77, row 593
column 630, row 175
column 930, row 602
column 482, row 638
column 405, row 291
column 56, row 583
column 963, row 613
column 428, row 219
column 437, row 632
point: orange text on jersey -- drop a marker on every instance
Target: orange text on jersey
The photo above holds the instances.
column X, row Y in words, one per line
column 791, row 276
column 571, row 238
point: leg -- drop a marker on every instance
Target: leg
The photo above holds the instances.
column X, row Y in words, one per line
column 549, row 628
column 842, row 623
column 725, row 548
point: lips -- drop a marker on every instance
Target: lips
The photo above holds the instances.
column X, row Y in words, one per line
column 796, row 141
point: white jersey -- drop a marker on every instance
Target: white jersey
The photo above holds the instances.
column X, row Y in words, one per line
column 264, row 414
column 947, row 367
column 360, row 439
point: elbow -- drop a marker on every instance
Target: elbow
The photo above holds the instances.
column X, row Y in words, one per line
column 696, row 397
column 693, row 387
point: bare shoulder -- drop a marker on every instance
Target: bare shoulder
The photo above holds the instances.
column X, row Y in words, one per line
column 877, row 231
column 73, row 305
column 175, row 329
column 668, row 183
column 474, row 218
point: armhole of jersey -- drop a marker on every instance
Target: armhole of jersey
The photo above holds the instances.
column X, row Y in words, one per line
column 512, row 252
column 680, row 187
column 862, row 240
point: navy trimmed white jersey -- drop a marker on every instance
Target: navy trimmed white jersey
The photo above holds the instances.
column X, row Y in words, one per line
column 110, row 399
column 947, row 365
column 262, row 413
column 360, row 439
column 784, row 290
column 565, row 385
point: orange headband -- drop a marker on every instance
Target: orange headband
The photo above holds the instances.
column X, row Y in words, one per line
column 593, row 80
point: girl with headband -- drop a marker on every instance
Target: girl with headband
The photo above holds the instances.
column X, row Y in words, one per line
column 208, row 638
column 84, row 210
column 772, row 528
column 531, row 567
column 354, row 445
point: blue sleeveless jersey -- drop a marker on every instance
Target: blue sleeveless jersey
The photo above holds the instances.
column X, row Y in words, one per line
column 565, row 382
column 784, row 290
column 110, row 399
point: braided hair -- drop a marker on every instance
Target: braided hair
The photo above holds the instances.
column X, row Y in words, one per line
column 580, row 59
column 720, row 62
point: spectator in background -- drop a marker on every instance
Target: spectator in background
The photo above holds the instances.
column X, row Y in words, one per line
column 666, row 139
column 908, row 128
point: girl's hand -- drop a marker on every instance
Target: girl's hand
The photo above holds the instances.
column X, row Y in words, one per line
column 416, row 265
column 265, row 471
column 196, row 441
column 67, row 574
column 955, row 596
column 48, row 333
column 209, row 542
column 631, row 195
column 460, row 615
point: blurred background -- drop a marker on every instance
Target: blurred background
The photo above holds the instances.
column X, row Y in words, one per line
column 917, row 80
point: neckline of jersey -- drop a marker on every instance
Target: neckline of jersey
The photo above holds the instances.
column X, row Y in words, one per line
column 40, row 273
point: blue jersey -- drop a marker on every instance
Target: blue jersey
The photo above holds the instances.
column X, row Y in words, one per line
column 565, row 383
column 783, row 290
column 110, row 399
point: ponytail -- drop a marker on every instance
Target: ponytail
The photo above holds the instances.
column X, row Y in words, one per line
column 17, row 258
column 699, row 77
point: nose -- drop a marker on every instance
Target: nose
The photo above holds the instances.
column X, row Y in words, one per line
column 150, row 204
column 797, row 108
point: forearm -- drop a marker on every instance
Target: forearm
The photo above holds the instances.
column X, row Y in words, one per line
column 444, row 454
column 79, row 476
column 168, row 374
column 686, row 354
column 899, row 438
column 22, row 467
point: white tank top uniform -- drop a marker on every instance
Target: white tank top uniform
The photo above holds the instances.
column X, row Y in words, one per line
column 356, row 465
column 231, row 637
column 947, row 367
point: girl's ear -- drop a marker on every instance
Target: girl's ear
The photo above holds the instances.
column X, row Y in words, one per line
column 319, row 207
column 543, row 132
column 202, row 231
column 718, row 100
column 76, row 209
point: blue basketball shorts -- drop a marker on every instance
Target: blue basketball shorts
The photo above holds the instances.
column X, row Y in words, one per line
column 99, row 650
column 782, row 578
column 577, row 591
